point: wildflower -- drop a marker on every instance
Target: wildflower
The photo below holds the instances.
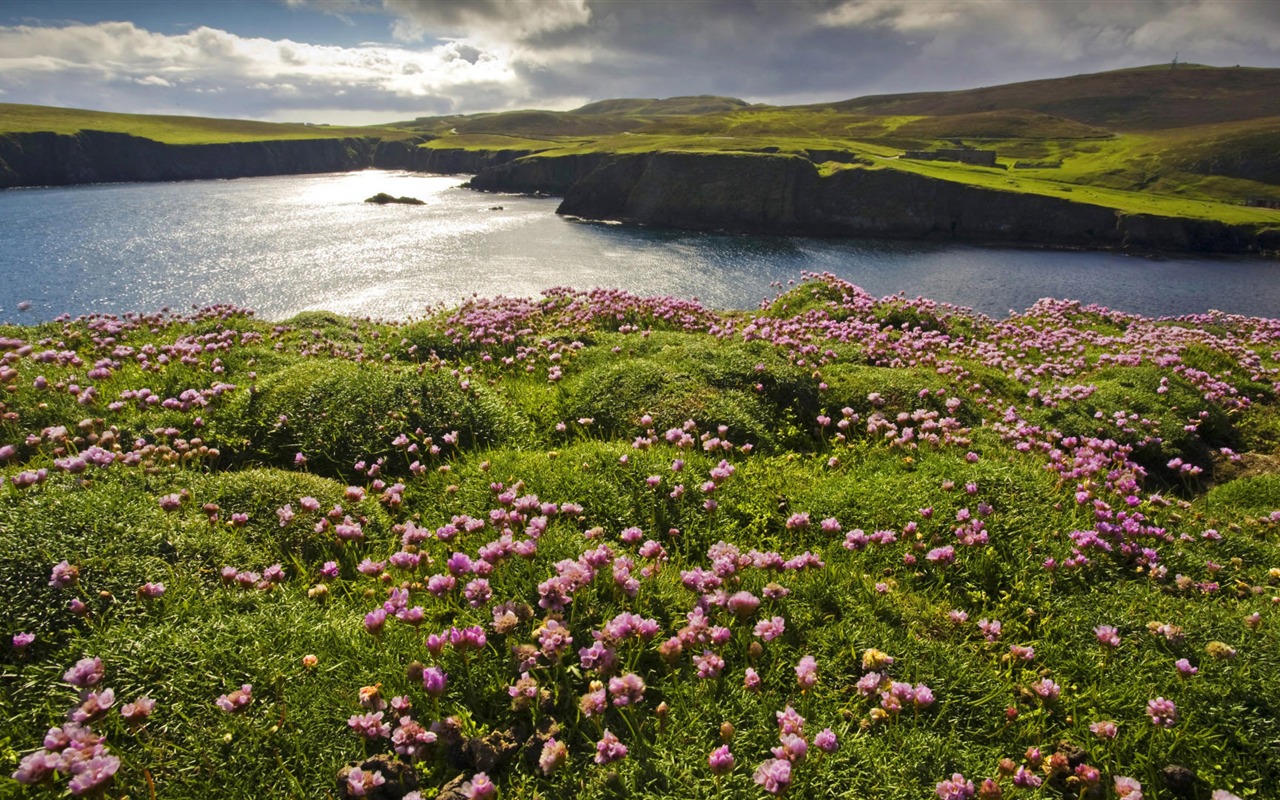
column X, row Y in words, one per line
column 770, row 629
column 826, row 741
column 1185, row 668
column 595, row 701
column 434, row 680
column 1127, row 788
column 237, row 700
column 1026, row 779
column 743, row 604
column 151, row 591
column 411, row 739
column 751, row 681
column 774, row 775
column 478, row 787
column 359, row 782
column 792, row 748
column 87, row 672
column 1046, row 689
column 1105, row 729
column 64, row 575
column 991, row 629
column 709, row 664
column 92, row 774
column 1163, row 712
column 721, row 760
column 807, row 672
column 789, row 721
column 21, row 641
column 554, row 754
column 609, row 749
column 627, row 690
column 955, row 788
column 375, row 620
column 1221, row 794
column 1107, row 636
column 370, row 726
column 170, row 502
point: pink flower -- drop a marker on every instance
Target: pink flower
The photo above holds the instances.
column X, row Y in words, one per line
column 360, row 782
column 1107, row 636
column 752, row 680
column 138, row 710
column 151, row 591
column 774, row 775
column 709, row 664
column 63, row 575
column 770, row 629
column 807, row 672
column 1163, row 712
column 171, row 502
column 87, row 672
column 434, row 681
column 609, row 749
column 370, row 726
column 478, row 787
column 1105, row 729
column 93, row 774
column 721, row 760
column 1127, row 788
column 21, row 641
column 237, row 700
column 826, row 741
column 955, row 788
column 554, row 754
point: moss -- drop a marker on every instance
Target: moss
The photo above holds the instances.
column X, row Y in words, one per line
column 337, row 413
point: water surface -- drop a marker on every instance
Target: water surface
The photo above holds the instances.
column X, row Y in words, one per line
column 281, row 245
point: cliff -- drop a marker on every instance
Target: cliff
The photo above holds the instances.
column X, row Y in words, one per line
column 784, row 194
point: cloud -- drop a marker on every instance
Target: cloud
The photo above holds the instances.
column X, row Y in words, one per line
column 270, row 77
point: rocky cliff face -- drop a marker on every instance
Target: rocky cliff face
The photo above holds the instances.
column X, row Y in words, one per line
column 787, row 194
column 48, row 159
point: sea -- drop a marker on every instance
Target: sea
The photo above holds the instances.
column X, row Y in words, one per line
column 286, row 244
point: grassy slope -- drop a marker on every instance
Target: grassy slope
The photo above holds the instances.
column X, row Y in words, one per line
column 320, row 384
column 1193, row 142
column 172, row 129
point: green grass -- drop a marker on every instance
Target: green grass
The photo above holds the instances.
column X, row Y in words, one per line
column 16, row 118
column 553, row 405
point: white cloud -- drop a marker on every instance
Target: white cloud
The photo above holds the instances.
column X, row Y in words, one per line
column 310, row 75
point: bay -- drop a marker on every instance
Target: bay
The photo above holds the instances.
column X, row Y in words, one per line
column 281, row 245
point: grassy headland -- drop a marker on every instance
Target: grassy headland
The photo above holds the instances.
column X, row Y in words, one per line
column 1195, row 142
column 1040, row 551
column 15, row 118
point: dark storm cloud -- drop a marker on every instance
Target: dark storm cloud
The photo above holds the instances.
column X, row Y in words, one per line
column 472, row 55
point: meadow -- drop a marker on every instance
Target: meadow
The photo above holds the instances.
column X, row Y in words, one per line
column 608, row 546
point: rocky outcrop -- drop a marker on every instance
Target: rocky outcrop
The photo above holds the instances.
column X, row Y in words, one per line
column 532, row 174
column 49, row 159
column 788, row 195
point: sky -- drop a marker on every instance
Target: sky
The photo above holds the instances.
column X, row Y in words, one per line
column 371, row 61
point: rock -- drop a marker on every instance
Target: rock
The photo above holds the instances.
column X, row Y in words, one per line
column 1180, row 781
column 453, row 789
column 487, row 752
column 382, row 198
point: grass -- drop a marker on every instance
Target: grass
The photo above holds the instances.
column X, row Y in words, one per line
column 15, row 118
column 1027, row 446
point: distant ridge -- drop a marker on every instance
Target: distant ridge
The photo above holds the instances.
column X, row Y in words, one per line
column 1142, row 98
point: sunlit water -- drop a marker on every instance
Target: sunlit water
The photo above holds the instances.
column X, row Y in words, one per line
column 286, row 244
